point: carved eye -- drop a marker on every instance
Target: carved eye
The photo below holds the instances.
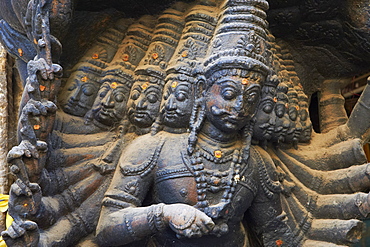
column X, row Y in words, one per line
column 252, row 97
column 229, row 93
column 88, row 90
column 167, row 94
column 119, row 97
column 71, row 88
column 102, row 94
column 152, row 98
column 135, row 95
column 267, row 108
column 181, row 96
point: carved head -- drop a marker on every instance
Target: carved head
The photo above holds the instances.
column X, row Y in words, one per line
column 265, row 117
column 282, row 121
column 81, row 90
column 110, row 105
column 304, row 117
column 231, row 99
column 178, row 95
column 144, row 101
column 177, row 102
column 146, row 93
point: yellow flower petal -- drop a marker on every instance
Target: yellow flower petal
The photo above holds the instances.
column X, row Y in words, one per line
column 2, row 242
column 4, row 202
column 8, row 220
column 4, row 197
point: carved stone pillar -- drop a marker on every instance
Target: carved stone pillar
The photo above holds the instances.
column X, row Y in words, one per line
column 332, row 112
column 3, row 128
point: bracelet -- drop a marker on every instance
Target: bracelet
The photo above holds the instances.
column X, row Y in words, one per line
column 158, row 217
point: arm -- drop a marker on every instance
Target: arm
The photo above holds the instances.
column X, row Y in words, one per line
column 266, row 216
column 124, row 220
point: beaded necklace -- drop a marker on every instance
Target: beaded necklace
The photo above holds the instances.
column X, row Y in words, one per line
column 215, row 181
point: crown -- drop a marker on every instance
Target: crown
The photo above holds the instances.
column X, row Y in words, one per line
column 200, row 23
column 165, row 39
column 240, row 40
column 136, row 42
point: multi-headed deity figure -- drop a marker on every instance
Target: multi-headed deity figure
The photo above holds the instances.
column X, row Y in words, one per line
column 190, row 128
column 205, row 183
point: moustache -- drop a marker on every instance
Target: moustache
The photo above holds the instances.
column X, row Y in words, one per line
column 218, row 112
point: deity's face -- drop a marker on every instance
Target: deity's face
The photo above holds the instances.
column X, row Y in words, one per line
column 281, row 108
column 110, row 105
column 80, row 95
column 177, row 103
column 231, row 102
column 293, row 111
column 282, row 122
column 143, row 104
column 265, row 119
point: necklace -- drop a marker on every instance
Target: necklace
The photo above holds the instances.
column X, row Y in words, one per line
column 215, row 152
column 215, row 181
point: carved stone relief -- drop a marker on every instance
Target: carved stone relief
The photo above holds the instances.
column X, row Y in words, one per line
column 188, row 126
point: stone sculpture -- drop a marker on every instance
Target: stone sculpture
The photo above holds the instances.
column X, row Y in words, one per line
column 186, row 128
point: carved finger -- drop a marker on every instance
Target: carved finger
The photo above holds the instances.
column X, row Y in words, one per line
column 50, row 106
column 188, row 233
column 45, row 70
column 29, row 149
column 29, row 225
column 16, row 189
column 57, row 69
column 30, row 108
column 14, row 231
column 15, row 153
column 208, row 223
column 22, row 188
column 41, row 145
column 34, row 187
column 196, row 231
column 203, row 227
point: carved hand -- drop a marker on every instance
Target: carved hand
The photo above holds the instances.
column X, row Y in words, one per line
column 24, row 200
column 46, row 71
column 187, row 221
column 22, row 233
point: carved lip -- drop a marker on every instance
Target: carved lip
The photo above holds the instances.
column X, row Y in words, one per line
column 140, row 114
column 233, row 119
column 71, row 104
column 105, row 112
column 170, row 115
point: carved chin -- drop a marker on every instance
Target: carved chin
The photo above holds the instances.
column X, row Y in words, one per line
column 105, row 119
column 75, row 109
column 141, row 119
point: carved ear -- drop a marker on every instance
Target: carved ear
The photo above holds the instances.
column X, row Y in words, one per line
column 199, row 86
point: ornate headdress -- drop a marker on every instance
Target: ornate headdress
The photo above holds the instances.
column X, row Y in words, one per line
column 200, row 23
column 239, row 46
column 135, row 44
column 165, row 39
column 240, row 41
column 130, row 52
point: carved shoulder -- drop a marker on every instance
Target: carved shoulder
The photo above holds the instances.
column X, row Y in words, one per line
column 140, row 157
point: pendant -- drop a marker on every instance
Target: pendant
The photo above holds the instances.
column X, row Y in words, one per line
column 218, row 154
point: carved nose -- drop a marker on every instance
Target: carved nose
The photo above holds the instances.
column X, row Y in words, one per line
column 170, row 104
column 239, row 105
column 76, row 94
column 141, row 104
column 108, row 100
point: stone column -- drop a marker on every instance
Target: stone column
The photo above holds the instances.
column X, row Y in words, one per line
column 332, row 112
column 3, row 128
